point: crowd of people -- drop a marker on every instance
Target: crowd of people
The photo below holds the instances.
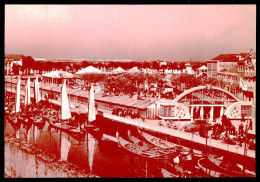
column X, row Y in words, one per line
column 126, row 112
column 230, row 134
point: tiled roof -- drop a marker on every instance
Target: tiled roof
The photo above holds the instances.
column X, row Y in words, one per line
column 117, row 100
column 15, row 57
column 227, row 58
column 126, row 101
column 81, row 93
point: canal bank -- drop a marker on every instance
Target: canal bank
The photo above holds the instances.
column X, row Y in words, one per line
column 215, row 147
column 35, row 162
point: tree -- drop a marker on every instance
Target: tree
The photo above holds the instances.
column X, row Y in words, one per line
column 182, row 66
column 163, row 67
column 156, row 65
column 28, row 63
column 196, row 66
column 173, row 66
column 189, row 80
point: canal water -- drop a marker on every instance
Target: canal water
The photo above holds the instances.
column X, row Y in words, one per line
column 109, row 159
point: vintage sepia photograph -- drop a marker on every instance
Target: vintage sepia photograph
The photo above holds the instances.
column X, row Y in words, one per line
column 129, row 91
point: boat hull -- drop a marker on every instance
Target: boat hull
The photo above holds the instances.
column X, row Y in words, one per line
column 14, row 121
column 209, row 169
column 229, row 168
column 64, row 127
column 144, row 151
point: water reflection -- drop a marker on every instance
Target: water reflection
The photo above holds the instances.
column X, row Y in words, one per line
column 89, row 152
column 65, row 146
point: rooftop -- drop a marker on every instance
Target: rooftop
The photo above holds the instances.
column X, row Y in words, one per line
column 15, row 57
column 227, row 58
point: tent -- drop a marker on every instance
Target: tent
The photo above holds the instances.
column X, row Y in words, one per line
column 89, row 69
column 119, row 70
column 133, row 70
column 58, row 74
column 203, row 68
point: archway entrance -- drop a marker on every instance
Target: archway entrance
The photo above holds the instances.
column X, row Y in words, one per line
column 206, row 101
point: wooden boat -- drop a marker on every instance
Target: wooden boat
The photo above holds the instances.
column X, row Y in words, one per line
column 210, row 169
column 9, row 107
column 47, row 113
column 14, row 113
column 64, row 127
column 139, row 142
column 144, row 151
column 24, row 118
column 150, row 146
column 27, row 110
column 82, row 118
column 38, row 106
column 14, row 121
column 228, row 167
column 156, row 141
column 38, row 120
column 166, row 144
column 63, row 120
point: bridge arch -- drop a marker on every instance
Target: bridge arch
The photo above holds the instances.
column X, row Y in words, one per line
column 201, row 88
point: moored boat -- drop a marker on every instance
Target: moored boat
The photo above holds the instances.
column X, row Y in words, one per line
column 54, row 122
column 149, row 146
column 13, row 119
column 38, row 120
column 63, row 120
column 210, row 169
column 166, row 144
column 156, row 141
column 37, row 117
column 228, row 167
column 144, row 151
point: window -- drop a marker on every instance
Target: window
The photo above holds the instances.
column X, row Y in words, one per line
column 246, row 110
column 168, row 111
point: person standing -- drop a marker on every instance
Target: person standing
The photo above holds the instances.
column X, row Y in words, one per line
column 250, row 125
column 240, row 129
column 243, row 118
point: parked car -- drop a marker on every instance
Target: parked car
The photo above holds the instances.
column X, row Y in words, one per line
column 196, row 125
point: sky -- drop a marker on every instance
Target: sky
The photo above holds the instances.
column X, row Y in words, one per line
column 137, row 32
